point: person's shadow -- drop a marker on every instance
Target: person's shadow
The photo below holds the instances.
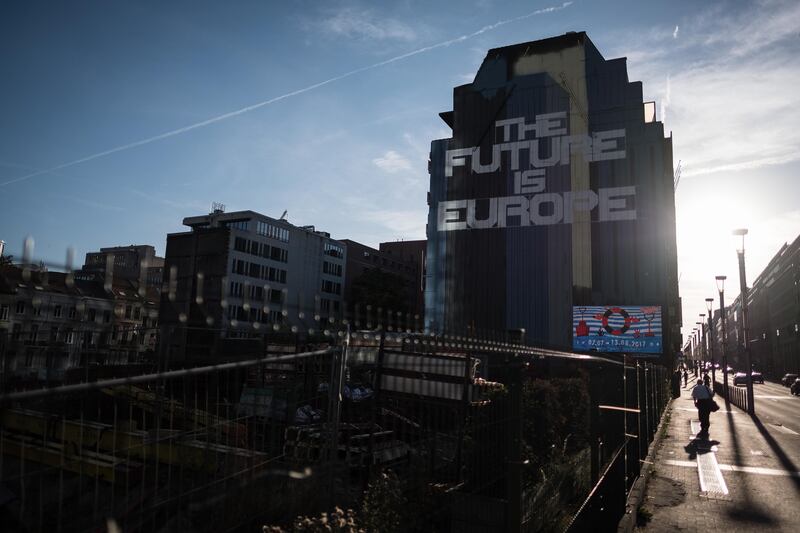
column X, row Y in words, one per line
column 699, row 445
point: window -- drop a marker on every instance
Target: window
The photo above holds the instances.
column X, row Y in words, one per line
column 240, row 267
column 279, row 254
column 275, row 317
column 37, row 310
column 254, row 270
column 106, row 317
column 20, row 307
column 236, row 224
column 333, row 250
column 275, row 274
column 34, row 334
column 137, row 312
column 325, row 305
column 54, row 334
column 254, row 248
column 69, row 336
column 57, row 311
column 72, row 313
column 256, row 292
column 331, row 287
column 92, row 315
column 3, row 312
column 271, row 231
column 275, row 296
column 16, row 332
column 236, row 288
column 240, row 244
column 331, row 268
column 128, row 310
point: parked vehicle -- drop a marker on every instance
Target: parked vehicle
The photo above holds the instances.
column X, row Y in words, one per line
column 796, row 387
column 757, row 377
column 788, row 380
column 740, row 378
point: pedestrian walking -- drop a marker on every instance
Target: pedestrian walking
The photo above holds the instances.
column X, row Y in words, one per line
column 707, row 380
column 685, row 377
column 703, row 400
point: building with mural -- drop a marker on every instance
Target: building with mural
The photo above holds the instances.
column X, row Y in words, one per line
column 551, row 207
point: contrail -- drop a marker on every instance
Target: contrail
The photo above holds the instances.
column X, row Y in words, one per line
column 253, row 107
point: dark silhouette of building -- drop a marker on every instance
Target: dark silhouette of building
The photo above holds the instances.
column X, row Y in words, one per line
column 388, row 277
column 774, row 314
column 237, row 276
column 555, row 190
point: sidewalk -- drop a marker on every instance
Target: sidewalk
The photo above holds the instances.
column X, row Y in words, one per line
column 739, row 479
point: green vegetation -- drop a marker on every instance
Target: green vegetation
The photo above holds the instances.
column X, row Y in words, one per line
column 643, row 516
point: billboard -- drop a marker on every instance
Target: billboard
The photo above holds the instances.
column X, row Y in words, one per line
column 629, row 329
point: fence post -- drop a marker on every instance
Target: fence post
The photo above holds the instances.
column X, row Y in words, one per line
column 514, row 451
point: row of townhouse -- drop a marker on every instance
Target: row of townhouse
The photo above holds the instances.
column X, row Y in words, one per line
column 51, row 322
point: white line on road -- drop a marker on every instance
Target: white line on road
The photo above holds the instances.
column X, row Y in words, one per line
column 768, row 397
column 737, row 468
column 695, row 410
column 784, row 429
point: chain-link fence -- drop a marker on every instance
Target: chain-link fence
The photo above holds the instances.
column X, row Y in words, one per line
column 232, row 420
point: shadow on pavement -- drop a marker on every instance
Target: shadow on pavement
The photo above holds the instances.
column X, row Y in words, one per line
column 699, row 446
column 785, row 460
column 750, row 511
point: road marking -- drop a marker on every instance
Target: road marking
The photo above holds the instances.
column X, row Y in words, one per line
column 784, row 429
column 736, row 468
column 768, row 397
column 711, row 479
column 695, row 410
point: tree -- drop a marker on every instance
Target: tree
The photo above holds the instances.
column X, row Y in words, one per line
column 6, row 260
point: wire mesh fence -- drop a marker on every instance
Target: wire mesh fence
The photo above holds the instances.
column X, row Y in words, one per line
column 212, row 407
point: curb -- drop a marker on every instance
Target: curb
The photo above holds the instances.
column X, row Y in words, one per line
column 636, row 496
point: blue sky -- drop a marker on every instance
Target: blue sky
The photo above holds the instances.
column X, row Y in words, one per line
column 83, row 78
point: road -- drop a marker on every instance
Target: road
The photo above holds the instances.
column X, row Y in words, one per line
column 779, row 412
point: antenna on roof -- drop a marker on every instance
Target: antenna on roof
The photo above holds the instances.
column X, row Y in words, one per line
column 217, row 207
column 284, row 215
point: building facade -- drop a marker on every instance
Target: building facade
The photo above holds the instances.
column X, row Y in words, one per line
column 368, row 268
column 554, row 192
column 413, row 252
column 51, row 323
column 137, row 263
column 774, row 318
column 236, row 276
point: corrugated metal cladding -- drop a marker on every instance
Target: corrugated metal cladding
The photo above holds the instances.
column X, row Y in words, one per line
column 529, row 276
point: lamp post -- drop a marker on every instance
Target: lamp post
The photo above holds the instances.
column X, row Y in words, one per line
column 721, row 289
column 710, row 307
column 701, row 337
column 745, row 323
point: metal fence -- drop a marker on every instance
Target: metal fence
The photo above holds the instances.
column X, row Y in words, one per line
column 295, row 413
column 736, row 395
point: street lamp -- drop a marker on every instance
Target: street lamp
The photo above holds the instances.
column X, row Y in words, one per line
column 721, row 288
column 701, row 331
column 745, row 323
column 710, row 307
